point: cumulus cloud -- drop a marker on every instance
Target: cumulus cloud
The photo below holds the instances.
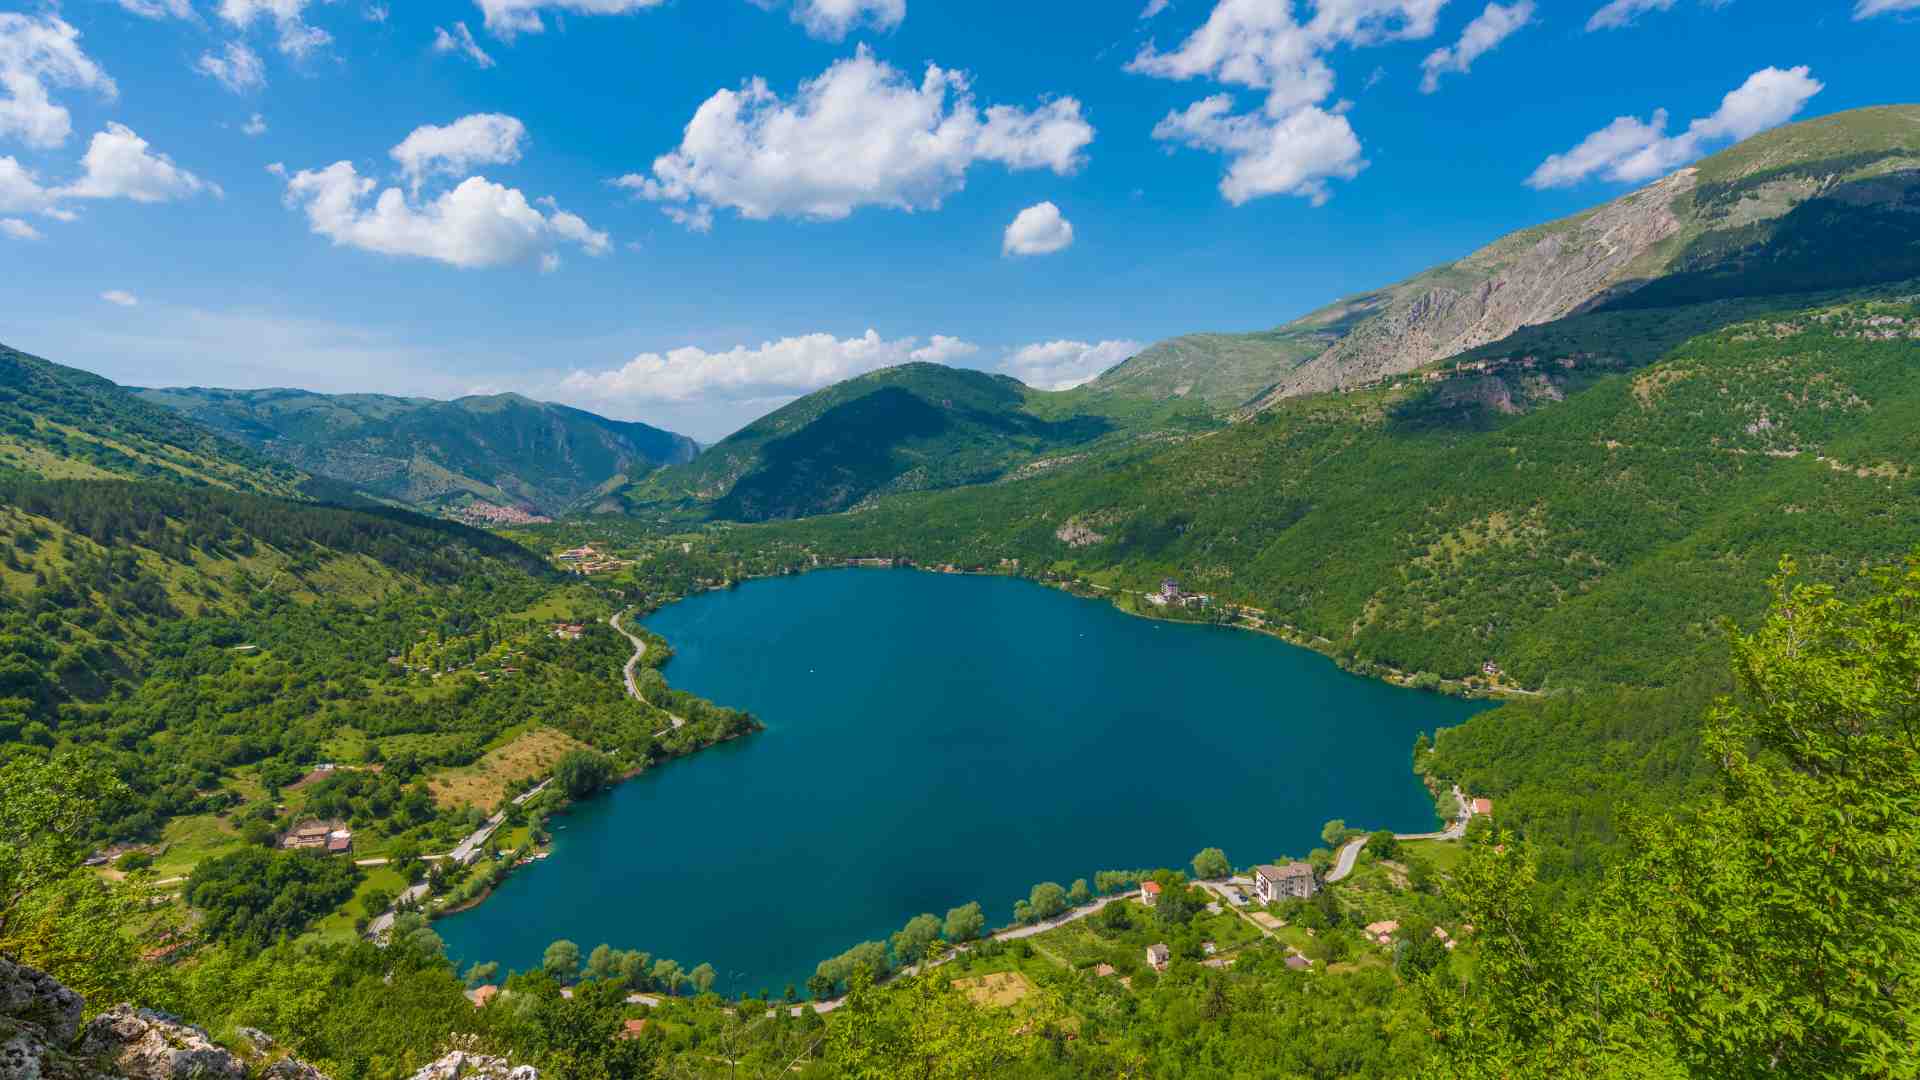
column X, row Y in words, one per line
column 1154, row 7
column 160, row 9
column 119, row 164
column 121, row 297
column 296, row 37
column 1037, row 230
column 19, row 230
column 1295, row 154
column 831, row 20
column 460, row 40
column 859, row 134
column 1487, row 30
column 1292, row 144
column 1062, row 365
column 1619, row 13
column 479, row 139
column 38, row 52
column 1629, row 149
column 476, row 224
column 1867, row 9
column 505, row 18
column 238, row 69
column 772, row 370
column 256, row 125
column 20, row 189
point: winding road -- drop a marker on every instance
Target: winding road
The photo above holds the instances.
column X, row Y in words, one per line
column 639, row 654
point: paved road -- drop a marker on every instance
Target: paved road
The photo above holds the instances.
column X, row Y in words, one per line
column 378, row 928
column 1455, row 831
column 639, row 653
column 462, row 854
column 1348, row 855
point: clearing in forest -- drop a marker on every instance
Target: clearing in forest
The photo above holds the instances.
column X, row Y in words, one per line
column 484, row 783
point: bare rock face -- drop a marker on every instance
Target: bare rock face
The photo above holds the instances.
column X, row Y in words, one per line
column 461, row 1065
column 141, row 1044
column 291, row 1069
column 33, row 998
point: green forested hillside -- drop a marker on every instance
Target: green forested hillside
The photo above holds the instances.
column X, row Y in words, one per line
column 915, row 427
column 1439, row 526
column 65, row 423
column 504, row 450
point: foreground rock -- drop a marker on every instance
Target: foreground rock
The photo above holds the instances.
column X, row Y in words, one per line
column 41, row 1039
column 461, row 1065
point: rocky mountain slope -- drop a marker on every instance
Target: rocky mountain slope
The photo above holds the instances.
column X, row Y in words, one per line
column 475, row 454
column 1822, row 204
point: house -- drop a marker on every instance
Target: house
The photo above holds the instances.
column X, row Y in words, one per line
column 1275, row 883
column 1209, row 948
column 1299, row 963
column 1104, row 971
column 1382, row 932
column 339, row 842
column 569, row 631
column 480, row 995
column 576, row 554
column 632, row 1029
column 1149, row 893
column 310, row 835
column 1483, row 806
column 1159, row 956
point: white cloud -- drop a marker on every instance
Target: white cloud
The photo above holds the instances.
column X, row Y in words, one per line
column 1062, row 365
column 1293, row 144
column 480, row 139
column 860, row 134
column 771, row 371
column 460, row 40
column 20, row 189
column 377, row 12
column 118, row 164
column 1487, row 30
column 18, row 229
column 1631, row 150
column 1619, row 13
column 121, row 297
column 477, row 224
column 297, row 38
column 255, row 125
column 833, row 19
column 1295, row 154
column 1867, row 9
column 1037, row 230
column 159, row 9
column 505, row 18
column 1154, row 7
column 239, row 69
column 37, row 52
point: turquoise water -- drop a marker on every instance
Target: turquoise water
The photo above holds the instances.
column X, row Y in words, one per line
column 938, row 739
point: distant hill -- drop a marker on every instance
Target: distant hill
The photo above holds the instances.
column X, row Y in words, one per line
column 62, row 423
column 1823, row 204
column 473, row 454
column 914, row 427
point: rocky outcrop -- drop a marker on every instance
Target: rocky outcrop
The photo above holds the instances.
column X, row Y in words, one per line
column 462, row 1065
column 41, row 1038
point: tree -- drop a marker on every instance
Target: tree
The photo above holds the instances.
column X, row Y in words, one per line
column 1416, row 948
column 1769, row 931
column 482, row 974
column 1047, row 900
column 911, row 943
column 819, row 986
column 633, row 969
column 1334, row 832
column 47, row 807
column 965, row 923
column 1383, row 845
column 603, row 962
column 1114, row 917
column 701, row 978
column 561, row 961
column 253, row 897
column 581, row 773
column 1211, row 864
column 1077, row 893
column 666, row 973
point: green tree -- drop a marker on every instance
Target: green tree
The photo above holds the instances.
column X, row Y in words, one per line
column 581, row 773
column 1078, row 893
column 1047, row 900
column 702, row 978
column 1382, row 845
column 634, row 966
column 1335, row 832
column 667, row 975
column 911, row 942
column 603, row 962
column 47, row 808
column 483, row 973
column 1211, row 864
column 561, row 961
column 965, row 923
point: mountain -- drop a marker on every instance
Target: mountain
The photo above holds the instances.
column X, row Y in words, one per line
column 475, row 456
column 1821, row 204
column 63, row 423
column 909, row 428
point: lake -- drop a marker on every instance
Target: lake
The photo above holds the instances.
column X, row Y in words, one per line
column 934, row 739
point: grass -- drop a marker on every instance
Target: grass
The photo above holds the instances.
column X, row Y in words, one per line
column 998, row 990
column 190, row 840
column 486, row 782
column 1443, row 855
column 339, row 926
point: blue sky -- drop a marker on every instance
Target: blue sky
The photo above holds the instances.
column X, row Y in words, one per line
column 690, row 211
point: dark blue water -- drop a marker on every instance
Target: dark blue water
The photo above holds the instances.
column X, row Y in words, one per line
column 938, row 739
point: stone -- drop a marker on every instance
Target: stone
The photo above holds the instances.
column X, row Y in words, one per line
column 33, row 997
column 142, row 1044
column 461, row 1065
column 292, row 1069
